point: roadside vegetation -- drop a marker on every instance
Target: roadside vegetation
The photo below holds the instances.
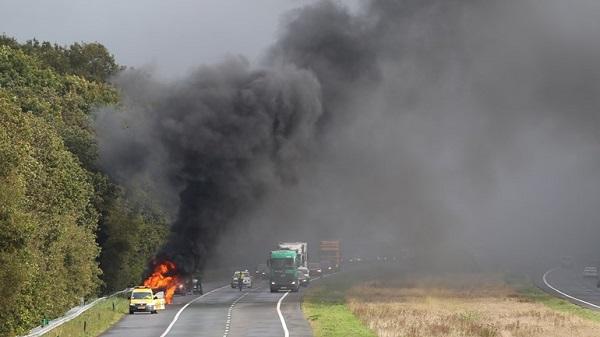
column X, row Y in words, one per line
column 325, row 308
column 378, row 301
column 465, row 305
column 94, row 321
column 558, row 304
column 67, row 230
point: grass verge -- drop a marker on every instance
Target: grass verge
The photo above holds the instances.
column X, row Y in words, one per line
column 559, row 304
column 94, row 321
column 391, row 304
column 459, row 305
column 325, row 308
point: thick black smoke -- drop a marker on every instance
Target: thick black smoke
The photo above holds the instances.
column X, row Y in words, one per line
column 413, row 123
column 215, row 141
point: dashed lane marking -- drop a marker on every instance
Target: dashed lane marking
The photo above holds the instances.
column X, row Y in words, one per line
column 228, row 322
column 185, row 306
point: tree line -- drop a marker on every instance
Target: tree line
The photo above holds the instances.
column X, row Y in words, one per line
column 67, row 231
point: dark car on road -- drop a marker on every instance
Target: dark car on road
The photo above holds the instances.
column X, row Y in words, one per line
column 314, row 269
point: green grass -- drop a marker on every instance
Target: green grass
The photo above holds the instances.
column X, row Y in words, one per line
column 96, row 320
column 325, row 307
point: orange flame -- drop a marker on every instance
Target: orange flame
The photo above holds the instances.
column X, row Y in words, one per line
column 164, row 278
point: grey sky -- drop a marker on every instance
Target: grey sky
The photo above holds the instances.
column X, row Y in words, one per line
column 172, row 35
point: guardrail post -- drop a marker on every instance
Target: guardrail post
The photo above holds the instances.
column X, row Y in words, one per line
column 84, row 326
column 113, row 303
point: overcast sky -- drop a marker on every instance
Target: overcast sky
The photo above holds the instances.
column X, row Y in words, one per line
column 172, row 35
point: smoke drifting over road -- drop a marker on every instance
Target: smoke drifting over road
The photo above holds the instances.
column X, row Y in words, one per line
column 466, row 126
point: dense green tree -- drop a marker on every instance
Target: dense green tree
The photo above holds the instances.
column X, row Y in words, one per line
column 61, row 217
column 91, row 61
column 47, row 221
column 64, row 101
column 131, row 238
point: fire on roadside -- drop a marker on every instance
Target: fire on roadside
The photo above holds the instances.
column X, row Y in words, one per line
column 164, row 278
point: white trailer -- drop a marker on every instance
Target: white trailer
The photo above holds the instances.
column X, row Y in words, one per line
column 301, row 249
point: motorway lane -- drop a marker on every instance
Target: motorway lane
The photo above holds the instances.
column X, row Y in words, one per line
column 153, row 325
column 294, row 317
column 571, row 282
column 253, row 314
column 256, row 315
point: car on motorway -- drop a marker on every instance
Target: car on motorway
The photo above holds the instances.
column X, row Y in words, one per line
column 262, row 271
column 355, row 259
column 314, row 269
column 142, row 299
column 304, row 277
column 327, row 267
column 246, row 279
column 189, row 286
column 590, row 271
column 566, row 261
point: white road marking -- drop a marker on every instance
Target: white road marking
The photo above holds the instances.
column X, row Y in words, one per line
column 563, row 293
column 228, row 322
column 185, row 306
column 285, row 329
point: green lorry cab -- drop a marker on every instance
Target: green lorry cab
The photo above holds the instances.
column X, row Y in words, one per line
column 284, row 273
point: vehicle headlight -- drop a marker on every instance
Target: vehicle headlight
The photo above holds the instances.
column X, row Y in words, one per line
column 319, row 270
column 272, row 282
column 293, row 282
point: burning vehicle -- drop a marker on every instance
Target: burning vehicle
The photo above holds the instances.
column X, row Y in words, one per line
column 165, row 277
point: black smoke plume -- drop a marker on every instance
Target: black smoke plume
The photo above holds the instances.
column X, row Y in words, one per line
column 406, row 123
column 215, row 142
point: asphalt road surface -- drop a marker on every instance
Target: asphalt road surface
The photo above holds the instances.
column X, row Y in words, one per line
column 223, row 312
column 570, row 284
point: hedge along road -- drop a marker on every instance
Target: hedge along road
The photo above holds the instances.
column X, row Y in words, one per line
column 222, row 311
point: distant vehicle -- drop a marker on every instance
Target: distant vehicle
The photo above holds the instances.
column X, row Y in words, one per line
column 304, row 276
column 327, row 267
column 355, row 259
column 566, row 261
column 246, row 279
column 330, row 254
column 142, row 299
column 197, row 287
column 181, row 289
column 284, row 274
column 262, row 271
column 314, row 269
column 590, row 272
column 189, row 286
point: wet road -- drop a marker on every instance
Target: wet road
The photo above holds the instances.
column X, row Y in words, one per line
column 223, row 312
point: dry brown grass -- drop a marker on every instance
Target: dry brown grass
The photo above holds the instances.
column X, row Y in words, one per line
column 453, row 306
